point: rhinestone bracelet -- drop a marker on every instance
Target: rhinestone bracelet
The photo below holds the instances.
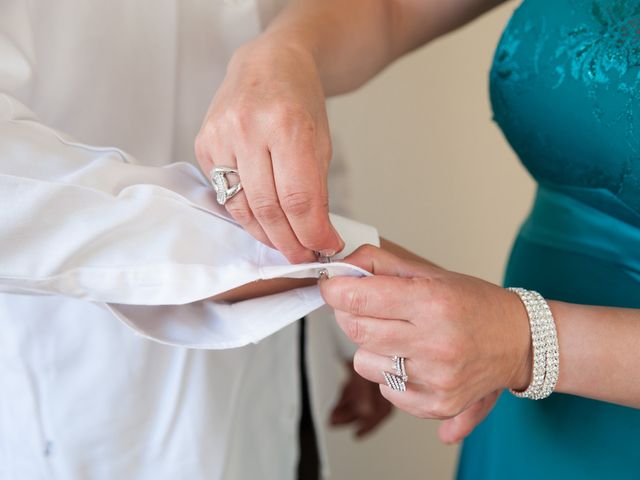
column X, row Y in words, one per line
column 544, row 341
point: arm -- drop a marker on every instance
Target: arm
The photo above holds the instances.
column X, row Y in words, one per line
column 350, row 41
column 149, row 244
column 599, row 352
column 268, row 118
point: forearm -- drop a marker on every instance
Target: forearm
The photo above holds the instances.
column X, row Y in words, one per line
column 351, row 40
column 599, row 352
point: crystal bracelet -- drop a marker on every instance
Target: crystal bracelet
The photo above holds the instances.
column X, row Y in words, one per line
column 544, row 341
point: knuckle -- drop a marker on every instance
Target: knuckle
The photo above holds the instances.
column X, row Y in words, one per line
column 323, row 153
column 393, row 337
column 424, row 411
column 356, row 331
column 297, row 203
column 446, row 303
column 240, row 213
column 447, row 352
column 294, row 255
column 266, row 210
column 367, row 250
column 356, row 301
column 198, row 146
column 447, row 383
column 201, row 147
column 326, row 150
column 422, row 284
column 441, row 409
column 358, row 363
column 207, row 140
column 424, row 303
column 239, row 120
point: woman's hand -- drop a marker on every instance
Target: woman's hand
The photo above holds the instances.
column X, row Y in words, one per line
column 464, row 339
column 268, row 120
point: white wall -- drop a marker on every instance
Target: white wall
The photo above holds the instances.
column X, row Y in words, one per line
column 433, row 173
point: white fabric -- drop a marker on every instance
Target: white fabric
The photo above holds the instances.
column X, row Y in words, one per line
column 91, row 224
column 90, row 234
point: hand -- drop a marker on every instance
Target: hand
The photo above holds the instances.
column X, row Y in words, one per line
column 268, row 120
column 362, row 404
column 464, row 339
column 455, row 429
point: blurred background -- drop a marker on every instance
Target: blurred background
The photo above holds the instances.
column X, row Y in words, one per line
column 428, row 167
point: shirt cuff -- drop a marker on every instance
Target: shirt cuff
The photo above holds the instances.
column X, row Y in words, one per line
column 211, row 325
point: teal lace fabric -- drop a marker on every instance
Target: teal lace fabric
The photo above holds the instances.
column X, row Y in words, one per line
column 565, row 88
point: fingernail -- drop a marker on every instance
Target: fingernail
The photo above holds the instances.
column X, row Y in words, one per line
column 327, row 253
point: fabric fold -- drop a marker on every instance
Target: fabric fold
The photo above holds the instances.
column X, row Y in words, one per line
column 150, row 243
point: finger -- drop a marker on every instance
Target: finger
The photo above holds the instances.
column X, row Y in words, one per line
column 302, row 190
column 379, row 297
column 260, row 190
column 381, row 262
column 370, row 365
column 237, row 206
column 457, row 428
column 414, row 400
column 384, row 337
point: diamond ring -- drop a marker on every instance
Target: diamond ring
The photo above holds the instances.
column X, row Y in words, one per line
column 220, row 182
column 398, row 365
column 394, row 382
column 397, row 381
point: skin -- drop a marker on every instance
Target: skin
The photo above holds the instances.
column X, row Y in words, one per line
column 465, row 339
column 268, row 119
column 262, row 288
column 360, row 405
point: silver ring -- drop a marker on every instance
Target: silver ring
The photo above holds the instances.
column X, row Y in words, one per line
column 394, row 382
column 398, row 365
column 220, row 182
column 397, row 381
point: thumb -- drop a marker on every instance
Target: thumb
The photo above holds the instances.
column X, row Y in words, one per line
column 380, row 262
column 457, row 428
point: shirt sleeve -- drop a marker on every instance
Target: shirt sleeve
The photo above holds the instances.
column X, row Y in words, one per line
column 150, row 243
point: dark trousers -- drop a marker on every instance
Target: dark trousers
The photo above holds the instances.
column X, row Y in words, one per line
column 309, row 463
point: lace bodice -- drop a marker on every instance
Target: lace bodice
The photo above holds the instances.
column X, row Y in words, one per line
column 565, row 89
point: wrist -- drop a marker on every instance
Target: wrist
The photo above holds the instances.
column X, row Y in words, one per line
column 544, row 347
column 270, row 47
column 523, row 357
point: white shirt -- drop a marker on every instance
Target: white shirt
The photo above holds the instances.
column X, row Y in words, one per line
column 94, row 240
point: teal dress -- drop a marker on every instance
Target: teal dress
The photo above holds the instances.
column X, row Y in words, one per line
column 565, row 89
